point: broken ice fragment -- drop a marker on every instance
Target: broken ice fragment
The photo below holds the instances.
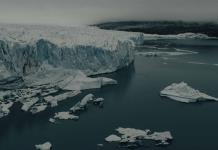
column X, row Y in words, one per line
column 133, row 138
column 45, row 146
column 81, row 105
column 4, row 108
column 65, row 116
column 38, row 108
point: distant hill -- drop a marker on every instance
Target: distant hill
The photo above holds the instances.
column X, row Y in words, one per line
column 163, row 27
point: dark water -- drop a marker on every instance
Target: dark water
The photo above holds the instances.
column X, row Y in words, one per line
column 134, row 102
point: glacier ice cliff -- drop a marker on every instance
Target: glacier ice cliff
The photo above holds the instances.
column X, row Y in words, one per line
column 24, row 48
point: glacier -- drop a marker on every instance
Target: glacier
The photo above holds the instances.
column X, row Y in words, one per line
column 39, row 61
column 24, row 48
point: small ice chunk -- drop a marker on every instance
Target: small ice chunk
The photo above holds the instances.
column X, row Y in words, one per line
column 76, row 107
column 182, row 92
column 107, row 81
column 100, row 145
column 65, row 116
column 163, row 137
column 113, row 138
column 82, row 104
column 98, row 100
column 86, row 99
column 49, row 91
column 45, row 146
column 52, row 120
column 53, row 100
column 28, row 103
column 3, row 94
column 4, row 108
column 38, row 108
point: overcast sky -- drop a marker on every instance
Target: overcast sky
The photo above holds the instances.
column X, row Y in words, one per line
column 81, row 12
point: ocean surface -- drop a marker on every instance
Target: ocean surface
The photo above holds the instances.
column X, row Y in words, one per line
column 134, row 103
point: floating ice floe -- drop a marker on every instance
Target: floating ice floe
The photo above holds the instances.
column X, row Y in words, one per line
column 182, row 92
column 100, row 145
column 52, row 120
column 81, row 105
column 98, row 100
column 197, row 63
column 82, row 82
column 38, row 108
column 53, row 100
column 113, row 138
column 78, row 107
column 130, row 137
column 65, row 116
column 28, row 103
column 45, row 146
column 5, row 108
column 165, row 53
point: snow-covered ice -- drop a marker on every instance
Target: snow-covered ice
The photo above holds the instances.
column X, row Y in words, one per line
column 45, row 146
column 182, row 92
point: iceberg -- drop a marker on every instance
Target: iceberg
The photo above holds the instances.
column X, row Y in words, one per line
column 130, row 137
column 182, row 92
column 45, row 146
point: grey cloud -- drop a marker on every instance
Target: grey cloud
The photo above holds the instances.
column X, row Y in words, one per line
column 77, row 12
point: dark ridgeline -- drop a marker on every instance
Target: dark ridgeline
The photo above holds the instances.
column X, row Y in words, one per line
column 163, row 27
